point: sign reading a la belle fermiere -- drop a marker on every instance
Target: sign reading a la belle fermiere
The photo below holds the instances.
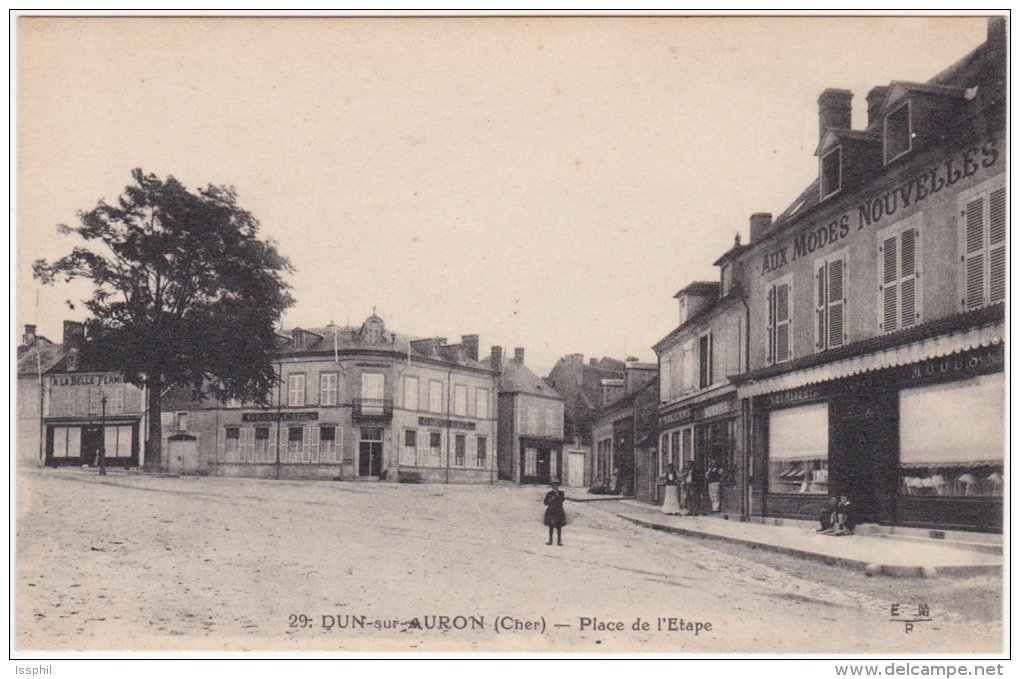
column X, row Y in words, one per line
column 86, row 379
column 872, row 211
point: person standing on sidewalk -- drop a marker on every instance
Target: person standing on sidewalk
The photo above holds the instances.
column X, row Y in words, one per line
column 671, row 498
column 695, row 484
column 714, row 478
column 555, row 517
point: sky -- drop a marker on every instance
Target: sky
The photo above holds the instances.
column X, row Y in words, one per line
column 548, row 183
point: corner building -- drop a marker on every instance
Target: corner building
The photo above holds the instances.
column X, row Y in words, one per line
column 352, row 403
column 876, row 310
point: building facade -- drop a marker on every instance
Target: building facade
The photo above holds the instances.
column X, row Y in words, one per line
column 700, row 418
column 585, row 387
column 876, row 309
column 351, row 403
column 624, row 434
column 530, row 438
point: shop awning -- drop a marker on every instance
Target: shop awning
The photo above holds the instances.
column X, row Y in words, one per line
column 904, row 354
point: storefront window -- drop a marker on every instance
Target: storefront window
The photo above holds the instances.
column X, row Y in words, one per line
column 952, row 438
column 715, row 441
column 799, row 450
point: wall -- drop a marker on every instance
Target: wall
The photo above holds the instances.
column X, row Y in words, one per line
column 28, row 423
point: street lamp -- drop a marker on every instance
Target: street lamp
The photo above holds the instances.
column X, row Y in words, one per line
column 102, row 441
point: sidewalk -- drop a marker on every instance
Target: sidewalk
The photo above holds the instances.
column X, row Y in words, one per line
column 873, row 555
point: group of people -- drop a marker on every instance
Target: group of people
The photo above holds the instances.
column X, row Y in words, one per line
column 684, row 490
column 838, row 517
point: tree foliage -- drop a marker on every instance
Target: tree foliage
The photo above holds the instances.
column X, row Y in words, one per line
column 184, row 291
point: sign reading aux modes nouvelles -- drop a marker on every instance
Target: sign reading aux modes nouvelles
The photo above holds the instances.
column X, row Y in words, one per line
column 439, row 422
column 872, row 211
column 280, row 417
column 86, row 380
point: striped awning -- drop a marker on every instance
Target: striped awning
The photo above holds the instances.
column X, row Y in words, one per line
column 905, row 354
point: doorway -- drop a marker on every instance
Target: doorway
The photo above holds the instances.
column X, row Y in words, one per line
column 91, row 440
column 370, row 453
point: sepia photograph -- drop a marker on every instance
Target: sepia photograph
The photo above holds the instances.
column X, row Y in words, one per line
column 644, row 336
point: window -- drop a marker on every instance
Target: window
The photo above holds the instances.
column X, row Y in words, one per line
column 481, row 451
column 482, row 403
column 688, row 443
column 705, row 360
column 298, row 339
column 66, row 442
column 551, row 426
column 780, row 311
column 435, row 448
column 262, row 444
column 115, row 400
column 676, row 454
column 95, row 401
column 117, row 442
column 459, row 399
column 233, row 403
column 664, row 457
column 373, row 390
column 899, row 258
column 530, row 462
column 831, row 179
column 799, row 449
column 897, row 132
column 688, row 373
column 72, row 361
column 830, row 302
column 411, row 393
column 233, row 443
column 182, row 421
column 295, row 443
column 296, row 390
column 983, row 248
column 435, row 396
column 532, row 420
column 327, row 444
column 409, row 451
column 328, row 388
column 460, row 450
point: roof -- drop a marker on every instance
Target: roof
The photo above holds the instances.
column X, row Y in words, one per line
column 517, row 378
column 700, row 288
column 40, row 358
column 971, row 70
column 703, row 313
column 626, row 401
column 347, row 338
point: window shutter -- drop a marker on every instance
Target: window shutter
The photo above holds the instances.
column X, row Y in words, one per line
column 783, row 349
column 837, row 295
column 974, row 254
column 820, row 304
column 306, row 444
column 221, row 445
column 315, row 444
column 770, row 328
column 711, row 361
column 888, row 283
column 908, row 278
column 997, row 245
column 247, row 444
column 272, row 443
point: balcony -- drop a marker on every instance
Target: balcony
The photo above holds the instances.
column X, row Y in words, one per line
column 372, row 410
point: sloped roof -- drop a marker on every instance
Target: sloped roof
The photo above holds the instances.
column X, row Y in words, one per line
column 700, row 288
column 517, row 378
column 40, row 358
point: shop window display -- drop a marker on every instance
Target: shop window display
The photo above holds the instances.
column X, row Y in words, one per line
column 799, row 476
column 955, row 481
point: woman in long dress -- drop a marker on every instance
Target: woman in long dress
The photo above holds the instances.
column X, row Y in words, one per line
column 555, row 517
column 671, row 500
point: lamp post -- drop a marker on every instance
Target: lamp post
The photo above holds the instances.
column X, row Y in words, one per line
column 102, row 441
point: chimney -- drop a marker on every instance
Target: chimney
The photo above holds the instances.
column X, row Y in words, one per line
column 519, row 355
column 74, row 335
column 760, row 223
column 496, row 358
column 593, row 361
column 875, row 99
column 470, row 344
column 834, row 110
column 29, row 337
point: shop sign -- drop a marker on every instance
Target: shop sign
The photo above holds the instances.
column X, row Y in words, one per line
column 990, row 359
column 86, row 380
column 439, row 422
column 680, row 416
column 304, row 416
column 878, row 207
column 786, row 398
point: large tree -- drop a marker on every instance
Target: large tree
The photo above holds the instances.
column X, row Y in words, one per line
column 184, row 293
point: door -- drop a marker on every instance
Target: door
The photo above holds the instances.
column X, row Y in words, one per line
column 865, row 431
column 182, row 455
column 91, row 440
column 370, row 453
column 373, row 389
column 575, row 469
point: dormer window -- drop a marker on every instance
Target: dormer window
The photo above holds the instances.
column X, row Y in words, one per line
column 72, row 361
column 898, row 137
column 298, row 337
column 831, row 172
